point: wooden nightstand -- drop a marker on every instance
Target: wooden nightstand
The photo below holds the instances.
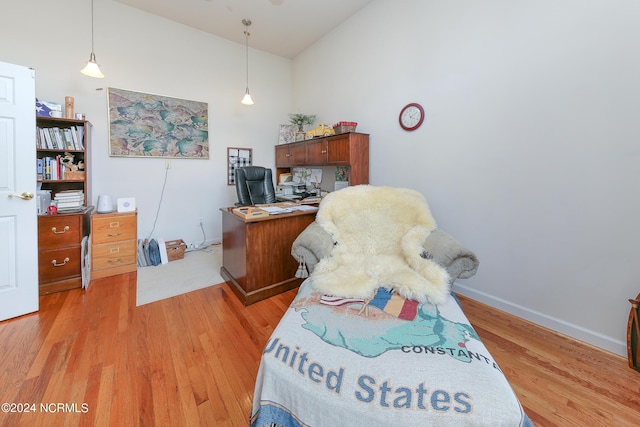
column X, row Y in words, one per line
column 113, row 243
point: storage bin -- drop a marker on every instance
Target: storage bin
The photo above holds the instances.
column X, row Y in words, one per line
column 175, row 249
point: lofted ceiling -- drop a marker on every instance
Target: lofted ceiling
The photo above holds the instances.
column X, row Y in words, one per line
column 281, row 27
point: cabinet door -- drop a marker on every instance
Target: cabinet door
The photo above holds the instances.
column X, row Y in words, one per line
column 317, row 152
column 338, row 150
column 282, row 156
column 297, row 153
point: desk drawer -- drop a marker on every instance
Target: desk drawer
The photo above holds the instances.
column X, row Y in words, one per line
column 59, row 230
column 58, row 264
column 113, row 228
column 111, row 255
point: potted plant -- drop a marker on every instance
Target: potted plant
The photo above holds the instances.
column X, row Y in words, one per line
column 302, row 119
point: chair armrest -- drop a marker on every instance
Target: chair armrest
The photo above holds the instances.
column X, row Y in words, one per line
column 314, row 243
column 459, row 261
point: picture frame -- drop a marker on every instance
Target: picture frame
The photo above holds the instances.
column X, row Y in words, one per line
column 287, row 134
column 146, row 125
column 236, row 158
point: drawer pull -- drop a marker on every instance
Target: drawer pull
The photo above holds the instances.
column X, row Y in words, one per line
column 114, row 235
column 114, row 250
column 323, row 152
column 113, row 261
column 55, row 263
column 64, row 230
column 114, row 224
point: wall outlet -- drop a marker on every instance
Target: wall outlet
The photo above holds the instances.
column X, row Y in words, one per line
column 167, row 164
column 201, row 221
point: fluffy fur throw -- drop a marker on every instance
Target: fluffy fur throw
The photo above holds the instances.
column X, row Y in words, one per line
column 378, row 234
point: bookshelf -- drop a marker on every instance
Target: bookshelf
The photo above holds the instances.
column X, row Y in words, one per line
column 60, row 236
column 54, row 138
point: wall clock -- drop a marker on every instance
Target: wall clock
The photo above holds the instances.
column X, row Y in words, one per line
column 411, row 116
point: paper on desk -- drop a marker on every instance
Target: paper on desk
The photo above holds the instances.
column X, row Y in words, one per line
column 275, row 210
column 306, row 208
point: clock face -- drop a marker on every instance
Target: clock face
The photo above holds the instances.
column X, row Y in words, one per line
column 411, row 116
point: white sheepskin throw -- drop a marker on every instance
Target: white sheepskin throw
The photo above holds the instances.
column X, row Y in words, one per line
column 378, row 234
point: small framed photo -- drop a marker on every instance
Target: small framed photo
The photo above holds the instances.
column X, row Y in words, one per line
column 287, row 134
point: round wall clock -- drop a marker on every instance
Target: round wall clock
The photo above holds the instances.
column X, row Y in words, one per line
column 411, row 116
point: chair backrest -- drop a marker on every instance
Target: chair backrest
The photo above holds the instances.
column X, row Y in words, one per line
column 254, row 185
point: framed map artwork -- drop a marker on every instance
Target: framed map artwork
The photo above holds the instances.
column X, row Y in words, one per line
column 145, row 125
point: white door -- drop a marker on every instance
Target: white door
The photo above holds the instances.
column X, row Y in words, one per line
column 18, row 214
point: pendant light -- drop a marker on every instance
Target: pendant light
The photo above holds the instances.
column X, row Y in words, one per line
column 247, row 96
column 92, row 69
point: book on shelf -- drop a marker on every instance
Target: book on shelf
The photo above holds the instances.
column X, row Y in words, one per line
column 40, row 169
column 45, row 138
column 70, row 209
column 74, row 137
column 80, row 132
column 57, row 134
column 69, row 200
column 73, row 204
column 56, row 138
column 68, row 139
column 69, row 194
column 52, row 168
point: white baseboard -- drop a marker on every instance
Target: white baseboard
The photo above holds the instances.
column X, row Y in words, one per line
column 593, row 338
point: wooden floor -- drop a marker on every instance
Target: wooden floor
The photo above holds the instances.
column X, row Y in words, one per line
column 94, row 358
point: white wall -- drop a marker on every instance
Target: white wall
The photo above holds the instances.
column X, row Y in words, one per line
column 530, row 150
column 145, row 53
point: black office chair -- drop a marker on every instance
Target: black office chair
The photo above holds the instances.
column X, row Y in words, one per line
column 254, row 185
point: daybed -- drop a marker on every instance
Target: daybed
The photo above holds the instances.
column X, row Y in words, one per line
column 348, row 358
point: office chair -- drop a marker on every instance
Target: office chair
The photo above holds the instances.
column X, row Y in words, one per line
column 254, row 185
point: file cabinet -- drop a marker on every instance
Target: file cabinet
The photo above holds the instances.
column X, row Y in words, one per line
column 60, row 251
column 113, row 243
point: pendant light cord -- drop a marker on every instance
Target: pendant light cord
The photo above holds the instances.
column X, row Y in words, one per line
column 92, row 54
column 246, row 33
column 246, row 23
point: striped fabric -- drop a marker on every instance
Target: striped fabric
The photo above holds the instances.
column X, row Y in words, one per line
column 394, row 304
column 385, row 300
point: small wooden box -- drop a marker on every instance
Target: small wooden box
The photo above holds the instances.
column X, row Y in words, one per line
column 250, row 212
column 175, row 249
column 74, row 175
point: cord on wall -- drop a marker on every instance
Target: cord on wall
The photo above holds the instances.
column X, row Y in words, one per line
column 200, row 246
column 164, row 184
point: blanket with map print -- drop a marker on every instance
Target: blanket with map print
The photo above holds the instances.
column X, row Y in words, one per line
column 379, row 362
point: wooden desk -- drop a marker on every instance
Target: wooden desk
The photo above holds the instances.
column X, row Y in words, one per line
column 256, row 253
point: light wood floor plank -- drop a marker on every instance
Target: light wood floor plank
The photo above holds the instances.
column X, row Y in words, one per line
column 192, row 360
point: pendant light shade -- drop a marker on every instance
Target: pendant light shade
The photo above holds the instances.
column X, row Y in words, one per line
column 246, row 100
column 92, row 69
column 247, row 96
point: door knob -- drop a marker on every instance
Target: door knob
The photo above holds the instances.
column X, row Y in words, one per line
column 24, row 196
